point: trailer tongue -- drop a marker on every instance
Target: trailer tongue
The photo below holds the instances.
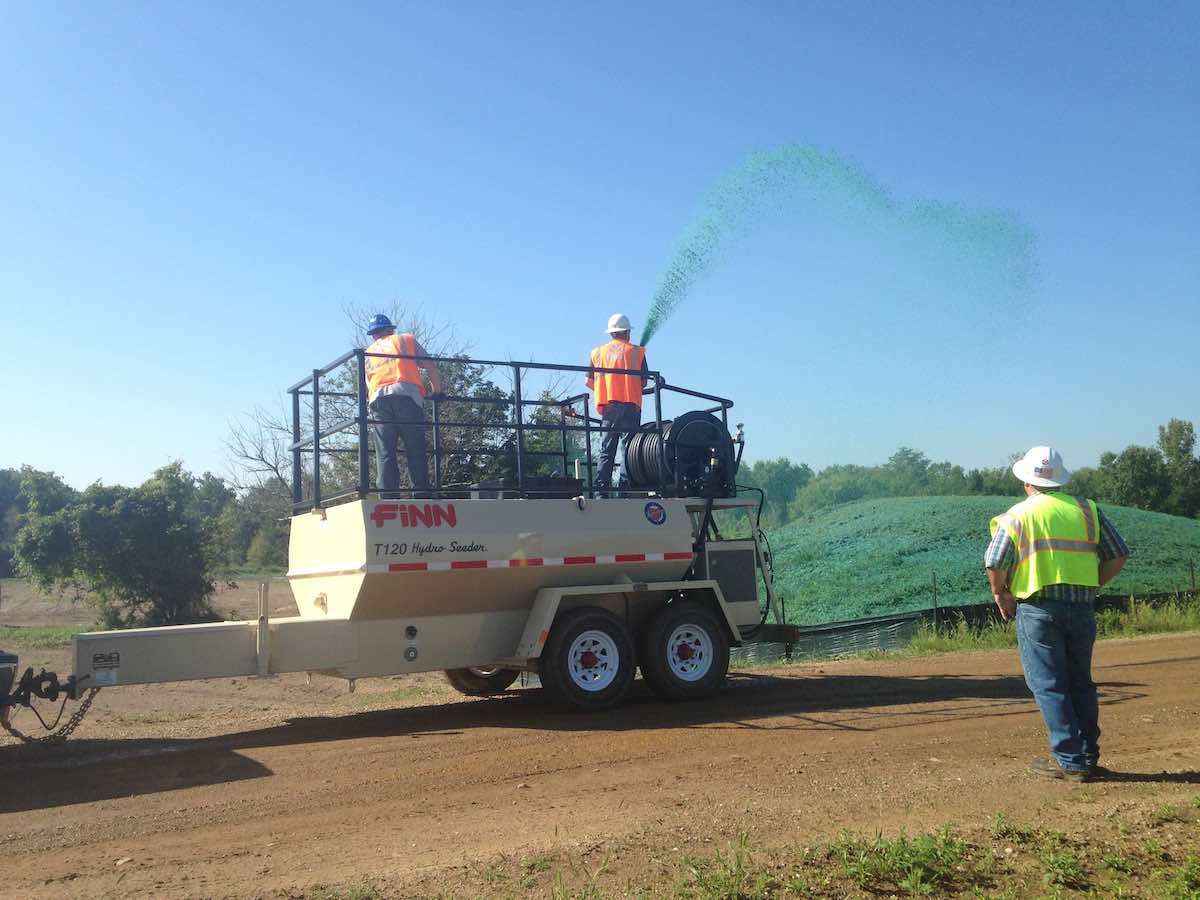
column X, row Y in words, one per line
column 489, row 580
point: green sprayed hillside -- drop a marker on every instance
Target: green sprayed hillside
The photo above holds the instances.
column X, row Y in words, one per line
column 878, row 556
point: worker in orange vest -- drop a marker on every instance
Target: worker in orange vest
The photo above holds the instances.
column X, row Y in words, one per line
column 396, row 393
column 618, row 397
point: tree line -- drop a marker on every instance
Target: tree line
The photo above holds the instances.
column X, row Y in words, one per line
column 151, row 554
column 1163, row 478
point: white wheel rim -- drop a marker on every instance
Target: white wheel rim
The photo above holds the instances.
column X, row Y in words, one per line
column 483, row 671
column 593, row 661
column 689, row 652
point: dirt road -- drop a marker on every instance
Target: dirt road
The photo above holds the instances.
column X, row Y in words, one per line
column 243, row 788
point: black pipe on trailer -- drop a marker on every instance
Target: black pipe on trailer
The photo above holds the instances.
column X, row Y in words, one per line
column 297, row 463
column 562, row 432
column 437, row 447
column 316, row 428
column 364, row 476
column 520, row 418
column 587, row 429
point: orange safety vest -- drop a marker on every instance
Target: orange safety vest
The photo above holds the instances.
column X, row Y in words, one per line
column 382, row 371
column 612, row 387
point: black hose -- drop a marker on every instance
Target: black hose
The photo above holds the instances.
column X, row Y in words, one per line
column 770, row 560
column 762, row 500
column 704, row 523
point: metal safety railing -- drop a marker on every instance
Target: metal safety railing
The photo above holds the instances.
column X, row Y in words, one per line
column 353, row 416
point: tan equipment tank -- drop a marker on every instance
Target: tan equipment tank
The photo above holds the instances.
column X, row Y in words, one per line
column 490, row 580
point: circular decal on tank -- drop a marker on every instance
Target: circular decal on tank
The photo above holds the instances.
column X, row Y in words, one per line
column 656, row 513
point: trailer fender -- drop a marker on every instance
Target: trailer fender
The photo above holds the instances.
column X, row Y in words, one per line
column 537, row 626
column 709, row 593
column 548, row 600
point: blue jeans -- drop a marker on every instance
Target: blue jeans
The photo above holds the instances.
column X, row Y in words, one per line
column 401, row 419
column 617, row 421
column 1055, row 639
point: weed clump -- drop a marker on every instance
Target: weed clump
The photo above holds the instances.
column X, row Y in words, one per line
column 917, row 866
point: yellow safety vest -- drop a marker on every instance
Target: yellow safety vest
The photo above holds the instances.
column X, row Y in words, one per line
column 1057, row 540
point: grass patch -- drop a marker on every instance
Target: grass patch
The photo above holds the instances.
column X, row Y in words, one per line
column 1182, row 614
column 729, row 873
column 1184, row 883
column 539, row 862
column 40, row 637
column 1004, row 829
column 916, row 866
column 960, row 637
column 398, row 695
column 1117, row 862
column 1061, row 868
column 352, row 892
column 1168, row 812
column 1138, row 619
column 947, row 861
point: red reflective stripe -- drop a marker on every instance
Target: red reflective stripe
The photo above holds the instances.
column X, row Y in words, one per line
column 688, row 555
column 521, row 563
column 579, row 560
column 630, row 557
column 469, row 564
column 407, row 567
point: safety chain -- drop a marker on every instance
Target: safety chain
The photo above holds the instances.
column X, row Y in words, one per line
column 63, row 732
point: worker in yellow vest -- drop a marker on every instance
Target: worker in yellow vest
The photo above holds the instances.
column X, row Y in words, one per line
column 396, row 394
column 618, row 397
column 1048, row 557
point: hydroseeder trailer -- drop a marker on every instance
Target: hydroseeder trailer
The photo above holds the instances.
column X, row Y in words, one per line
column 532, row 573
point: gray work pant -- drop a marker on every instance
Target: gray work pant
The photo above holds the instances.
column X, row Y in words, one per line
column 400, row 419
column 619, row 420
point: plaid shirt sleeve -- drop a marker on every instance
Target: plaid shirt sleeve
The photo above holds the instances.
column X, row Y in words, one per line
column 1001, row 552
column 1112, row 545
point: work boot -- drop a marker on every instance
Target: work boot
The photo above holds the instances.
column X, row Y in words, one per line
column 1049, row 768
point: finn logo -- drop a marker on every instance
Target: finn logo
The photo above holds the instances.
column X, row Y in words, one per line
column 409, row 515
column 656, row 514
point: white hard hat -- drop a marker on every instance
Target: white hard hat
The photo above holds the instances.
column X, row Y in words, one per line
column 618, row 322
column 1042, row 467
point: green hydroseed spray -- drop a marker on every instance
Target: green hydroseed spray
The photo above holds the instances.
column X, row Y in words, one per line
column 993, row 243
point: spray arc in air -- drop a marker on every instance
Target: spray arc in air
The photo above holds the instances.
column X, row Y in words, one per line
column 997, row 243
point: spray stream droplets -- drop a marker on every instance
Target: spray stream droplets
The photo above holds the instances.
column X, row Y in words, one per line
column 997, row 244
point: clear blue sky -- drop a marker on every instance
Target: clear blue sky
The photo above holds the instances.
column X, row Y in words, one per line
column 190, row 192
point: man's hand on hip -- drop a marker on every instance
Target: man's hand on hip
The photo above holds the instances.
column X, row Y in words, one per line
column 1006, row 603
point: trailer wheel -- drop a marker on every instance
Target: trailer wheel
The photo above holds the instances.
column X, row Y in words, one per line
column 587, row 662
column 684, row 652
column 481, row 681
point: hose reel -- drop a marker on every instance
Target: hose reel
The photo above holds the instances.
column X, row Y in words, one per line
column 695, row 452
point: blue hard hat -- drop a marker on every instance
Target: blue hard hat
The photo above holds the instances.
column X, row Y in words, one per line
column 380, row 323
